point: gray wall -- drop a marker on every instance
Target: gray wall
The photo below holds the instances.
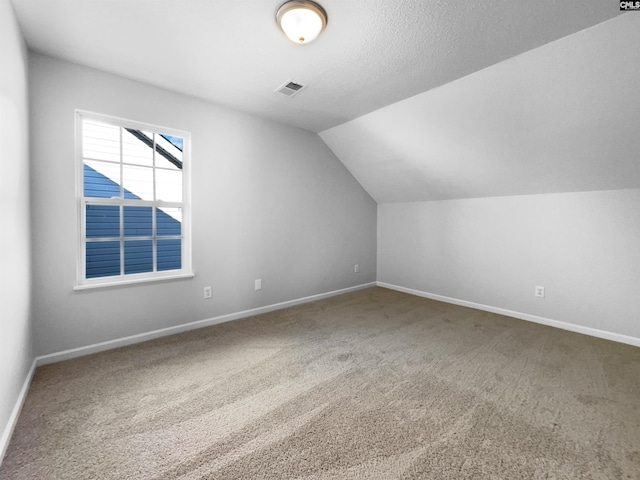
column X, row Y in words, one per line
column 583, row 247
column 269, row 201
column 15, row 262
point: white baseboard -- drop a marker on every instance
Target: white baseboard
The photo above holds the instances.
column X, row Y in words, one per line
column 572, row 327
column 143, row 337
column 13, row 419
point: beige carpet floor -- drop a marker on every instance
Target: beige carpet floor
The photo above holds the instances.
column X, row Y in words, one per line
column 374, row 384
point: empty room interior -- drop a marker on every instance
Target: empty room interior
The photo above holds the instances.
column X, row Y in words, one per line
column 401, row 244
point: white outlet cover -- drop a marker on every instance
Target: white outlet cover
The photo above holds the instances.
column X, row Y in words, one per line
column 539, row 292
column 258, row 284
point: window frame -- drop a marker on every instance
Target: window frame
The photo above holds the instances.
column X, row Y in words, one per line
column 186, row 271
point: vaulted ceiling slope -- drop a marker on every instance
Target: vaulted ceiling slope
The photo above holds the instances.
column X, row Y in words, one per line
column 373, row 52
column 564, row 117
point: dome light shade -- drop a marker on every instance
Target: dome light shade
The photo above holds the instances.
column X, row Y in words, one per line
column 301, row 20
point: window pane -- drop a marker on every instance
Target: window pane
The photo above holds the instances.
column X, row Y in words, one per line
column 101, row 179
column 176, row 142
column 138, row 221
column 169, row 222
column 103, row 259
column 169, row 185
column 169, row 255
column 102, row 221
column 137, row 147
column 138, row 182
column 100, row 141
column 138, row 256
column 169, row 152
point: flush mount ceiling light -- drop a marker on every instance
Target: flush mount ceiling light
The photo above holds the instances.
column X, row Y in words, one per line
column 301, row 20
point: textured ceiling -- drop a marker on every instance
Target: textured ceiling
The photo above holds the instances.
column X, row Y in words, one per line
column 561, row 118
column 373, row 52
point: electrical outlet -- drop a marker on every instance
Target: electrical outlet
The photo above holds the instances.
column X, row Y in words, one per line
column 258, row 284
column 356, row 268
column 539, row 292
column 207, row 292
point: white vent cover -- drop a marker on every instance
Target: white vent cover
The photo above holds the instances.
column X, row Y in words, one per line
column 289, row 88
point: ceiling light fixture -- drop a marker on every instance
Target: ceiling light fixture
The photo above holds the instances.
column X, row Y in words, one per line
column 301, row 20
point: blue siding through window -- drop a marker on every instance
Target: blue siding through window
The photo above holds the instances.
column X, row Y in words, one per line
column 103, row 221
column 103, row 259
column 97, row 185
column 138, row 256
column 138, row 221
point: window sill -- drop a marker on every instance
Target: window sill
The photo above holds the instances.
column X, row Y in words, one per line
column 132, row 281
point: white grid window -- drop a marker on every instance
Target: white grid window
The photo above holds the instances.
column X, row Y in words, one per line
column 133, row 205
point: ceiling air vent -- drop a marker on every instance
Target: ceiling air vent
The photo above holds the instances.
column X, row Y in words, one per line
column 289, row 88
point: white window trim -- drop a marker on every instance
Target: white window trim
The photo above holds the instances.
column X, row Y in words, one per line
column 186, row 271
